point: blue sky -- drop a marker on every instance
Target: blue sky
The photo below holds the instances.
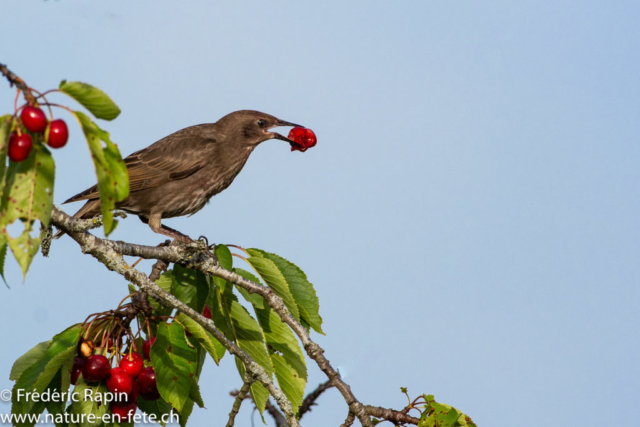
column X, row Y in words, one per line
column 469, row 216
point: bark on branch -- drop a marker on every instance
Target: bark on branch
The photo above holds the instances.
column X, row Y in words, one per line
column 18, row 82
column 110, row 253
column 105, row 251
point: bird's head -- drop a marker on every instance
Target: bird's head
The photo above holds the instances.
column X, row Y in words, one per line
column 252, row 127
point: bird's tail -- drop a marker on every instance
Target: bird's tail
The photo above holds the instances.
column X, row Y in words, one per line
column 89, row 210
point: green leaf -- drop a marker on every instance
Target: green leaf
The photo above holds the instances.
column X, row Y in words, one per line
column 226, row 261
column 5, row 132
column 259, row 393
column 28, row 196
column 91, row 98
column 38, row 372
column 91, row 410
column 272, row 276
column 3, row 257
column 191, row 287
column 302, row 290
column 5, row 129
column 175, row 364
column 194, row 394
column 441, row 415
column 52, row 368
column 254, row 299
column 212, row 345
column 156, row 407
column 28, row 359
column 248, row 336
column 286, row 355
column 113, row 178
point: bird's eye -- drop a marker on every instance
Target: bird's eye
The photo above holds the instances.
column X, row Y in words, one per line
column 262, row 123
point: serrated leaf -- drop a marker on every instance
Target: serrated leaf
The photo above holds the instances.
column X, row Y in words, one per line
column 27, row 380
column 208, row 341
column 226, row 261
column 190, row 286
column 248, row 336
column 285, row 354
column 28, row 196
column 91, row 98
column 442, row 415
column 272, row 276
column 56, row 406
column 28, row 359
column 94, row 407
column 113, row 178
column 156, row 407
column 194, row 394
column 52, row 368
column 5, row 129
column 3, row 257
column 5, row 132
column 302, row 290
column 254, row 299
column 259, row 393
column 175, row 363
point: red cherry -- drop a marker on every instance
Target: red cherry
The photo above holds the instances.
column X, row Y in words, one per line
column 147, row 384
column 119, row 381
column 132, row 364
column 96, row 368
column 206, row 312
column 19, row 146
column 146, row 347
column 58, row 134
column 133, row 396
column 122, row 413
column 76, row 369
column 304, row 139
column 33, row 119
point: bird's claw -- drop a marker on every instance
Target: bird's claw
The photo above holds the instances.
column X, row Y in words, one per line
column 201, row 253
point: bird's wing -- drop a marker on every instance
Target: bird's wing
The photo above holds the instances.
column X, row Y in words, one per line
column 156, row 165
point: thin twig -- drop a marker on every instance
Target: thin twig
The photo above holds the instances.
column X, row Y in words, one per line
column 248, row 380
column 110, row 254
column 310, row 399
column 107, row 255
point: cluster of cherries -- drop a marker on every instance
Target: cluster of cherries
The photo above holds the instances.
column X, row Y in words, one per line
column 304, row 139
column 34, row 120
column 129, row 377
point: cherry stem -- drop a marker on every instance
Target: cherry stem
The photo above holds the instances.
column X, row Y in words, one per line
column 136, row 263
column 241, row 257
column 45, row 100
column 238, row 247
column 15, row 101
column 125, row 298
column 59, row 106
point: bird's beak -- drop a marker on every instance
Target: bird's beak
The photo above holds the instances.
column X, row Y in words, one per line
column 276, row 135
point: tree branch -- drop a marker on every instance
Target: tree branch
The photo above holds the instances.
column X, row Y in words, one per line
column 396, row 417
column 110, row 254
column 105, row 252
column 310, row 399
column 19, row 83
column 242, row 394
column 348, row 422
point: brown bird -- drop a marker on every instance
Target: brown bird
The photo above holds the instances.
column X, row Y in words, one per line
column 178, row 174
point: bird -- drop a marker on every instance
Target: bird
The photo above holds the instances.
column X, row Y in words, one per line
column 178, row 174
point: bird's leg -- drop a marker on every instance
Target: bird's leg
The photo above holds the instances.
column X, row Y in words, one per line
column 156, row 226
